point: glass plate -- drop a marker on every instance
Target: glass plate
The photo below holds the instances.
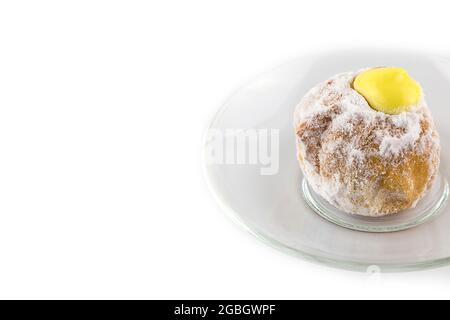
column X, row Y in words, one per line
column 428, row 207
column 252, row 170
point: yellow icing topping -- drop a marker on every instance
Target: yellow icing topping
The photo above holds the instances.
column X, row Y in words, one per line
column 390, row 90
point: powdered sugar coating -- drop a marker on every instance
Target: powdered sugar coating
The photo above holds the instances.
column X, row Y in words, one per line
column 361, row 160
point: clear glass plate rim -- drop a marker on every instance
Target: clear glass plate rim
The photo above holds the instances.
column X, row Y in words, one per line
column 343, row 263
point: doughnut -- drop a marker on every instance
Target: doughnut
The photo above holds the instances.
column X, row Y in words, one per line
column 366, row 141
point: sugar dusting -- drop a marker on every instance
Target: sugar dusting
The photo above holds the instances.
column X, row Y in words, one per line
column 339, row 135
column 395, row 145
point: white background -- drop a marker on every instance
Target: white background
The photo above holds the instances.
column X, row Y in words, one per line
column 102, row 109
